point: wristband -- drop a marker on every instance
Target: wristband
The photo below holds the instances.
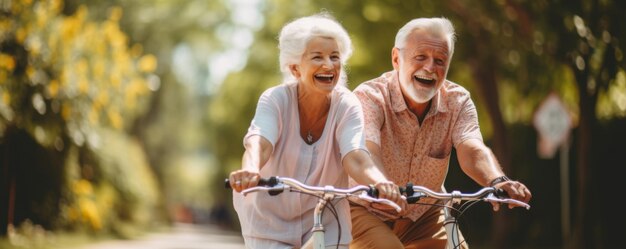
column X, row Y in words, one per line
column 499, row 180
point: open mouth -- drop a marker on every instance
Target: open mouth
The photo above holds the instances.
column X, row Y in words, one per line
column 325, row 78
column 424, row 79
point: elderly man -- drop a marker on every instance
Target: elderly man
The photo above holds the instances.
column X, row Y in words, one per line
column 413, row 119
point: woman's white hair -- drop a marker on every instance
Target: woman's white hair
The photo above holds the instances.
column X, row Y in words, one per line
column 436, row 26
column 295, row 35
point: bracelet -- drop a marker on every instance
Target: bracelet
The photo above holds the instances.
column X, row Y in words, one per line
column 499, row 180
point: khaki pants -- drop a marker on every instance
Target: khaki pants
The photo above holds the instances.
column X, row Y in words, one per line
column 369, row 231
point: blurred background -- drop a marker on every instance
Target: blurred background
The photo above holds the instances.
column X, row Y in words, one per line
column 121, row 117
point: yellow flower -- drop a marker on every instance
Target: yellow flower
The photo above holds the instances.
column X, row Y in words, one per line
column 53, row 88
column 82, row 13
column 116, row 13
column 82, row 187
column 69, row 28
column 30, row 72
column 82, row 67
column 102, row 99
column 116, row 80
column 72, row 213
column 6, row 98
column 147, row 63
column 136, row 50
column 98, row 69
column 26, row 2
column 83, row 85
column 116, row 119
column 94, row 117
column 114, row 34
column 66, row 111
column 20, row 34
column 7, row 61
column 5, row 26
column 136, row 88
column 42, row 15
column 90, row 213
column 56, row 5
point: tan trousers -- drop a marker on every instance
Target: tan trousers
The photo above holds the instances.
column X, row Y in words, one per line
column 369, row 231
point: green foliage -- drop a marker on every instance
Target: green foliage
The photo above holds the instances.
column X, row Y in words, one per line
column 69, row 74
column 74, row 84
column 174, row 131
column 126, row 186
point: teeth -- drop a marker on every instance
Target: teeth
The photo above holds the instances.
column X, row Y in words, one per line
column 424, row 77
column 324, row 75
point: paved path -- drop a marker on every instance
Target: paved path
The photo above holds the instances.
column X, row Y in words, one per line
column 182, row 236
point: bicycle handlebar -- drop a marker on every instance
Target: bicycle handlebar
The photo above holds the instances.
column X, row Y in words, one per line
column 490, row 194
column 271, row 181
column 275, row 185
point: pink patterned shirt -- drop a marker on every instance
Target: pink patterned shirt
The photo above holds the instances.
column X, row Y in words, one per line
column 411, row 152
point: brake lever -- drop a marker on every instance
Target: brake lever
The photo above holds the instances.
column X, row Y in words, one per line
column 392, row 204
column 274, row 190
column 492, row 197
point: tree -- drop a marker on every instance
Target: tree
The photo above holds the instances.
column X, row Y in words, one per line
column 587, row 39
column 66, row 82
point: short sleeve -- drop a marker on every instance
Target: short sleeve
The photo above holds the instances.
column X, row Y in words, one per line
column 466, row 126
column 350, row 127
column 266, row 121
column 372, row 105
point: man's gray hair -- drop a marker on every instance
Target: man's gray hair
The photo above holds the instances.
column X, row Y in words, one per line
column 437, row 26
column 295, row 35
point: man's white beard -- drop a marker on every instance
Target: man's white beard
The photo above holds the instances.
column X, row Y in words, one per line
column 422, row 96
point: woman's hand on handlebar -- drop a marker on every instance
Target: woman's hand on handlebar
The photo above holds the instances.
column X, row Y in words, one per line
column 243, row 179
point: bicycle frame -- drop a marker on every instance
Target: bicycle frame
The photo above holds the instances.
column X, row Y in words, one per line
column 451, row 225
column 318, row 233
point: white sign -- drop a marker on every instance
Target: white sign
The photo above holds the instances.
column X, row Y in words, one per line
column 553, row 123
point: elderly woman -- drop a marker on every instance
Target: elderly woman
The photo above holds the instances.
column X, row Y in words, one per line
column 309, row 128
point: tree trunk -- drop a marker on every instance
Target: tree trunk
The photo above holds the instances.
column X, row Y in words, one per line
column 587, row 104
column 488, row 87
column 485, row 79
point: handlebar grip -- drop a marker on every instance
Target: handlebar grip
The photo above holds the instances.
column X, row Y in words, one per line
column 373, row 192
column 409, row 192
column 500, row 193
column 270, row 182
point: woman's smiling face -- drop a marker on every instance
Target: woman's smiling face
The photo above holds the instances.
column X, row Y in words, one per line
column 320, row 65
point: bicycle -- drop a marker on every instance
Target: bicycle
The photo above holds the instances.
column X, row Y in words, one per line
column 489, row 194
column 276, row 185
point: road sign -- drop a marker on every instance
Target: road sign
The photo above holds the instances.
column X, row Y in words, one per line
column 553, row 123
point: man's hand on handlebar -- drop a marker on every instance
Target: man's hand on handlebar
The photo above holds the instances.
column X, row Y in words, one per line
column 515, row 190
column 390, row 191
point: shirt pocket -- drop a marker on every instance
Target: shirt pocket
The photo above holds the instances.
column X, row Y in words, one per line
column 434, row 172
column 439, row 153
